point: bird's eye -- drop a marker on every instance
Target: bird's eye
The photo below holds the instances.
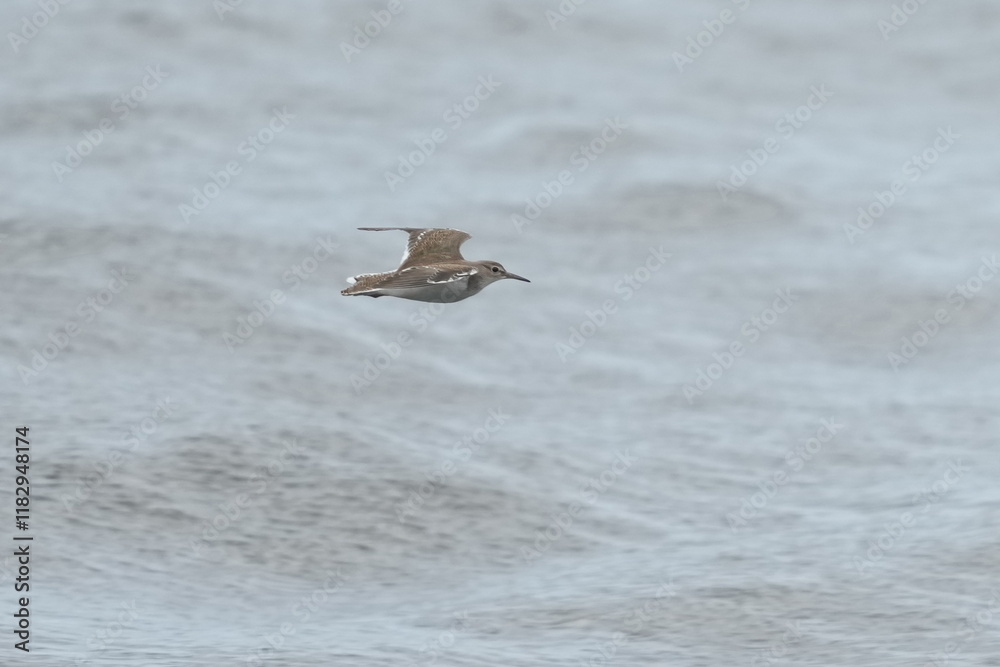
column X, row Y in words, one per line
column 496, row 269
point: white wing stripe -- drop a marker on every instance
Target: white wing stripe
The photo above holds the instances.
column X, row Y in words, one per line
column 453, row 278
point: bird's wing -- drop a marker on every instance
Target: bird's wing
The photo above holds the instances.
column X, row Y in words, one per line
column 428, row 246
column 421, row 276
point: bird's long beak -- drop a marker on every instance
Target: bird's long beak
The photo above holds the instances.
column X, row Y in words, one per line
column 517, row 277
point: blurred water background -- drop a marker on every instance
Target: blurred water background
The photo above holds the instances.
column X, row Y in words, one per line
column 745, row 413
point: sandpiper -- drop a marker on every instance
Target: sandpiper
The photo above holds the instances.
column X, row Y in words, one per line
column 432, row 269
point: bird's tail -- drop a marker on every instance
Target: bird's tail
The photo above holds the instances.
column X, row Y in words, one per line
column 363, row 283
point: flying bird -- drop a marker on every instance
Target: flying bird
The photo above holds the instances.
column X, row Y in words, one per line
column 432, row 269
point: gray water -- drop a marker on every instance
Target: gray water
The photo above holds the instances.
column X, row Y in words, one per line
column 700, row 436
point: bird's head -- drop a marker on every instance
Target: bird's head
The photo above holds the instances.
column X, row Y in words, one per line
column 494, row 271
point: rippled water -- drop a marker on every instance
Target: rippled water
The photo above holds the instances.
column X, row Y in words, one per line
column 732, row 420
